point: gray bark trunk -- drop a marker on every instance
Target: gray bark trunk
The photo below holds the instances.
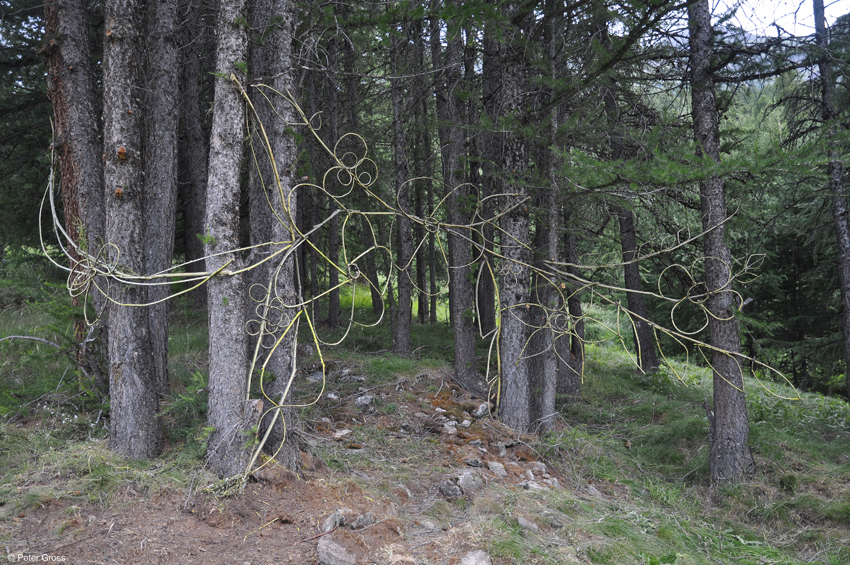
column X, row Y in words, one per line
column 729, row 457
column 134, row 429
column 160, row 193
column 835, row 170
column 460, row 211
column 276, row 60
column 195, row 147
column 401, row 331
column 486, row 289
column 514, row 281
column 643, row 334
column 70, row 86
column 228, row 412
column 570, row 340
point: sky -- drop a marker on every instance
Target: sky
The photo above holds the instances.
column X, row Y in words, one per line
column 794, row 16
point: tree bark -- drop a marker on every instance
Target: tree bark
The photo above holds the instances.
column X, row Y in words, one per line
column 514, row 276
column 460, row 209
column 835, row 171
column 729, row 458
column 228, row 411
column 276, row 21
column 486, row 289
column 134, row 429
column 401, row 331
column 643, row 334
column 160, row 193
column 569, row 343
column 194, row 149
column 545, row 381
column 70, row 86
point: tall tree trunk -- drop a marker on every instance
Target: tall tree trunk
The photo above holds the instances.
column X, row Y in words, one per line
column 334, row 310
column 545, row 380
column 460, row 210
column 835, row 170
column 729, row 457
column 570, row 341
column 275, row 58
column 401, row 331
column 643, row 334
column 160, row 193
column 514, row 275
column 229, row 412
column 70, row 86
column 490, row 84
column 195, row 146
column 134, row 429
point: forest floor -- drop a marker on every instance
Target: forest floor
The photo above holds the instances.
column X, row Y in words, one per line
column 79, row 504
column 622, row 480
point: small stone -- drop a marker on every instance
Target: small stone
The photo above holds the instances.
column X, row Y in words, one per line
column 420, row 415
column 363, row 402
column 473, row 462
column 333, row 521
column 316, row 377
column 450, row 489
column 552, row 482
column 527, row 524
column 428, row 525
column 342, row 433
column 450, row 427
column 502, row 450
column 469, row 482
column 405, row 427
column 363, row 520
column 466, row 423
column 537, row 467
column 333, row 396
column 332, row 553
column 475, row 442
column 528, row 475
column 482, row 411
column 476, row 557
column 531, row 485
column 497, row 469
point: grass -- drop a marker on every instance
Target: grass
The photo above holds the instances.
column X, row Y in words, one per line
column 633, row 453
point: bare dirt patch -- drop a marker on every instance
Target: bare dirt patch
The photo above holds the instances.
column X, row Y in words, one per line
column 401, row 450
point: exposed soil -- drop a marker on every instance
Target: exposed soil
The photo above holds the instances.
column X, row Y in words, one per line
column 406, row 454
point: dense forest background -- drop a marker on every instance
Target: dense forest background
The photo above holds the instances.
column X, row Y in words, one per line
column 492, row 166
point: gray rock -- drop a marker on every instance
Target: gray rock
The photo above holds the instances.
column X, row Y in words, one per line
column 450, row 427
column 473, row 462
column 334, row 520
column 332, row 553
column 428, row 525
column 363, row 402
column 482, row 411
column 475, row 442
column 497, row 469
column 420, row 415
column 531, row 485
column 502, row 450
column 315, row 377
column 363, row 520
column 527, row 524
column 476, row 557
column 469, row 482
column 552, row 482
column 528, row 475
column 538, row 467
column 450, row 489
column 465, row 424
